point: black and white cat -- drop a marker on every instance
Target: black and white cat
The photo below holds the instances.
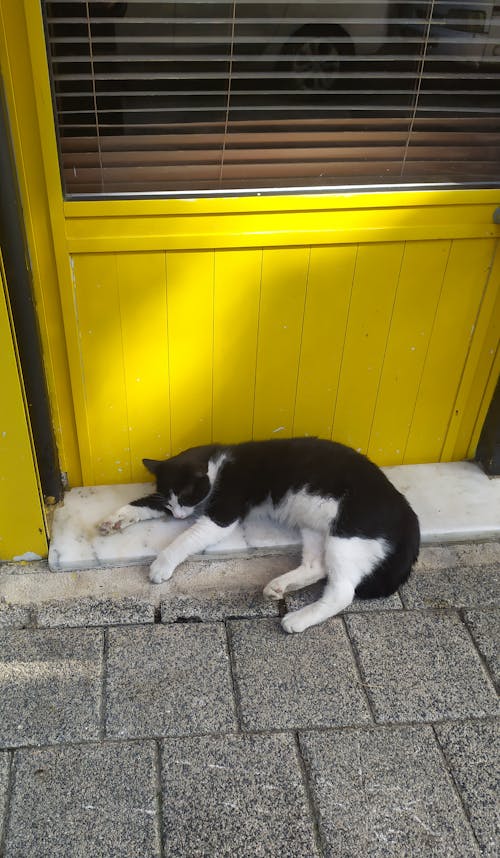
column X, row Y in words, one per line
column 357, row 530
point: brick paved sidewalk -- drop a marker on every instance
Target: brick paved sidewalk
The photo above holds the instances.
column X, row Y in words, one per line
column 375, row 734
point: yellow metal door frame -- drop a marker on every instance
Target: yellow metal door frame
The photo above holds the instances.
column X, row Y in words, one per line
column 22, row 520
column 41, row 198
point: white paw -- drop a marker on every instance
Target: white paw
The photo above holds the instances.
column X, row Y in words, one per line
column 112, row 525
column 298, row 621
column 293, row 624
column 122, row 518
column 274, row 590
column 160, row 571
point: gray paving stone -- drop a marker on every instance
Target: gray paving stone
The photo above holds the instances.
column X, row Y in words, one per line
column 291, row 681
column 50, row 685
column 385, row 792
column 473, row 753
column 485, row 629
column 420, row 666
column 23, row 567
column 435, row 557
column 479, row 553
column 4, row 784
column 235, row 796
column 168, row 680
column 460, row 587
column 86, row 800
column 16, row 616
column 297, row 600
column 210, row 606
column 94, row 612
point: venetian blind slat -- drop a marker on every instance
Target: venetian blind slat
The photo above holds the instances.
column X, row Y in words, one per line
column 170, row 97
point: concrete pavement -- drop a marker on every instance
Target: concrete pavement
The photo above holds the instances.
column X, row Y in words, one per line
column 180, row 720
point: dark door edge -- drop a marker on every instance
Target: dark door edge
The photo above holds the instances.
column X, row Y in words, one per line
column 488, row 448
column 19, row 286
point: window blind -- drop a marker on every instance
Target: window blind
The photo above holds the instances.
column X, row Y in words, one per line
column 172, row 98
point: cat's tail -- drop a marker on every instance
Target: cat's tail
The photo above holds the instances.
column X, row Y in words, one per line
column 396, row 566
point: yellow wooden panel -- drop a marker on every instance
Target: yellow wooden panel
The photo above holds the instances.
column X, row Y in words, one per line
column 22, row 525
column 282, row 228
column 371, row 306
column 377, row 201
column 143, row 310
column 483, row 383
column 478, row 382
column 283, row 288
column 101, row 348
column 236, row 321
column 251, row 221
column 329, row 283
column 419, row 287
column 463, row 287
column 190, row 291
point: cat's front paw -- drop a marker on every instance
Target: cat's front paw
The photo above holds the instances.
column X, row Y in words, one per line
column 160, row 571
column 274, row 590
column 111, row 525
column 121, row 519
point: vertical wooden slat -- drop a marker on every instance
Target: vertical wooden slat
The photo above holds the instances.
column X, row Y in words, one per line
column 101, row 351
column 469, row 405
column 236, row 319
column 284, row 279
column 329, row 284
column 382, row 342
column 452, row 333
column 485, row 377
column 143, row 309
column 371, row 306
column 419, row 287
column 190, row 287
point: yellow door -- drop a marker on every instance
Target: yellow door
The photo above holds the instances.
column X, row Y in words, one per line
column 22, row 523
column 370, row 318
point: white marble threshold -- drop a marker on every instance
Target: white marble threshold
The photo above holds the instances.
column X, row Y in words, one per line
column 455, row 502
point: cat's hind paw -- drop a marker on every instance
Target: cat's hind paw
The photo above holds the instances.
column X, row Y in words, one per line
column 298, row 621
column 290, row 625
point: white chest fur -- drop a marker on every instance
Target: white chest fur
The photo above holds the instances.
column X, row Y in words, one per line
column 303, row 510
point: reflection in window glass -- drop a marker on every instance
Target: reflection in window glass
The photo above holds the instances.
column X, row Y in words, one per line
column 201, row 96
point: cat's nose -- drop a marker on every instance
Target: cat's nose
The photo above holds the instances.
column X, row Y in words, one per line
column 180, row 513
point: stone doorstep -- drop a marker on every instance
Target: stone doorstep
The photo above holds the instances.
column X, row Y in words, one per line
column 455, row 502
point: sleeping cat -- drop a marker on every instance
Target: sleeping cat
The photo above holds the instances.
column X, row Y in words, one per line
column 357, row 530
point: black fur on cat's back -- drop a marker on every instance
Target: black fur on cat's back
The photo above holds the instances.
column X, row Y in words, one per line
column 370, row 506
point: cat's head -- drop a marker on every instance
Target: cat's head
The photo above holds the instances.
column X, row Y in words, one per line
column 184, row 484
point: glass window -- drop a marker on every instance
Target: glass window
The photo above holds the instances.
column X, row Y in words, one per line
column 191, row 97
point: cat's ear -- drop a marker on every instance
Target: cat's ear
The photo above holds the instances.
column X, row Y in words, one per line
column 152, row 465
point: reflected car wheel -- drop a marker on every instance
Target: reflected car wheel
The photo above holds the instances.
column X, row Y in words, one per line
column 314, row 64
